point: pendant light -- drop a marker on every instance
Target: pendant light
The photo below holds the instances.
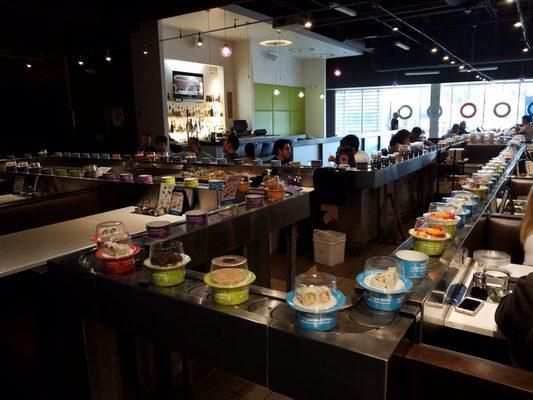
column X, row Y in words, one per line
column 108, row 57
column 337, row 71
column 225, row 50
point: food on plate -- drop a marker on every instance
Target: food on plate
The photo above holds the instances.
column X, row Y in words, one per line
column 229, row 276
column 387, row 280
column 441, row 215
column 314, row 297
column 113, row 249
column 429, row 233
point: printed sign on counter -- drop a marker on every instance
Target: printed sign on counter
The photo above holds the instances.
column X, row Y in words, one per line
column 232, row 184
column 165, row 196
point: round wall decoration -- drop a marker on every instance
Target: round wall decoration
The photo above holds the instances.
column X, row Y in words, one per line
column 432, row 113
column 474, row 110
column 409, row 110
column 530, row 109
column 502, row 104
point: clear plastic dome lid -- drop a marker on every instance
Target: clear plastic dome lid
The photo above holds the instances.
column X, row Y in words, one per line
column 492, row 258
column 314, row 290
column 35, row 164
column 274, row 183
column 114, row 246
column 166, row 254
column 482, row 177
column 22, row 164
column 442, row 211
column 465, row 194
column 229, row 270
column 113, row 229
column 383, row 273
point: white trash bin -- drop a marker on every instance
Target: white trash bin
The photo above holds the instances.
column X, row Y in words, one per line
column 329, row 247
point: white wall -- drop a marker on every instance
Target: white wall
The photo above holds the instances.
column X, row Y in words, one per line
column 314, row 75
column 243, row 95
column 286, row 70
column 186, row 50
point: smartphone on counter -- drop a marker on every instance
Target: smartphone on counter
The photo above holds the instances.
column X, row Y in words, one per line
column 469, row 306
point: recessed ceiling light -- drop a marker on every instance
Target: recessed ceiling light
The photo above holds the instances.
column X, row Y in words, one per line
column 446, row 57
column 276, row 42
column 525, row 49
column 301, row 49
column 517, row 24
column 395, row 29
column 325, row 55
column 452, row 62
column 434, row 49
column 337, row 72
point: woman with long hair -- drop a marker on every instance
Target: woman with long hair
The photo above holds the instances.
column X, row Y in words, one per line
column 526, row 231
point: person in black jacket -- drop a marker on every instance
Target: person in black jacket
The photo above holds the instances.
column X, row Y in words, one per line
column 514, row 317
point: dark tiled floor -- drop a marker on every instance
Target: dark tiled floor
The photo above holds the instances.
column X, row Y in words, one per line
column 221, row 386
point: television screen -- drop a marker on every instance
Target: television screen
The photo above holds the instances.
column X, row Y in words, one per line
column 187, row 85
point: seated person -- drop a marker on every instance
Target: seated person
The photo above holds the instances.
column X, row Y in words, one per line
column 193, row 146
column 161, row 143
column 230, row 147
column 462, row 128
column 145, row 141
column 452, row 132
column 249, row 151
column 282, row 151
column 398, row 139
column 417, row 135
column 349, row 153
column 526, row 129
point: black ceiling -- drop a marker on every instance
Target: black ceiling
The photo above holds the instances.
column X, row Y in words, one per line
column 474, row 30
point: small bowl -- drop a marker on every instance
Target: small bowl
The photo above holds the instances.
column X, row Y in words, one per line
column 415, row 263
column 169, row 276
column 230, row 295
column 431, row 247
column 321, row 321
column 384, row 300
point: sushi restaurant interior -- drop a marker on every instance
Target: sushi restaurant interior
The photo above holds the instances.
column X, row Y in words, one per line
column 267, row 200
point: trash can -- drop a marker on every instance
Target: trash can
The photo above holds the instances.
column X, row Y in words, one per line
column 329, row 247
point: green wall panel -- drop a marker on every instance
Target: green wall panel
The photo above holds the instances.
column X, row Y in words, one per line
column 263, row 120
column 281, row 102
column 297, row 122
column 262, row 97
column 282, row 122
column 279, row 115
column 297, row 103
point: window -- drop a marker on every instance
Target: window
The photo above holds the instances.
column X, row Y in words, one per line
column 367, row 110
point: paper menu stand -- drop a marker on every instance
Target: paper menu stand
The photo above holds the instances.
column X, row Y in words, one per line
column 179, row 202
column 230, row 191
column 165, row 196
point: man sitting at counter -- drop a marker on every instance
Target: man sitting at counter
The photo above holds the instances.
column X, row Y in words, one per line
column 161, row 143
column 145, row 141
column 230, row 147
column 398, row 139
column 282, row 151
column 526, row 128
column 193, row 147
column 417, row 136
column 349, row 153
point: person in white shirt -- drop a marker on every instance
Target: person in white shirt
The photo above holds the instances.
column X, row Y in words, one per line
column 527, row 128
column 526, row 231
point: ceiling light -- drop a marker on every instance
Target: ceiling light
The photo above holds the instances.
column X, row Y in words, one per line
column 200, row 42
column 308, row 23
column 276, row 42
column 402, row 46
column 322, row 96
column 145, row 50
column 276, row 92
column 80, row 61
column 509, row 1
column 452, row 62
column 434, row 49
column 28, row 65
column 517, row 24
column 108, row 57
column 337, row 72
column 446, row 57
column 420, row 73
column 395, row 29
column 461, row 67
column 477, row 76
column 343, row 9
column 525, row 50
column 225, row 50
column 301, row 94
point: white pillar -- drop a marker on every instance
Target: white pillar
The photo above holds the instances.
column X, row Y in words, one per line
column 434, row 104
